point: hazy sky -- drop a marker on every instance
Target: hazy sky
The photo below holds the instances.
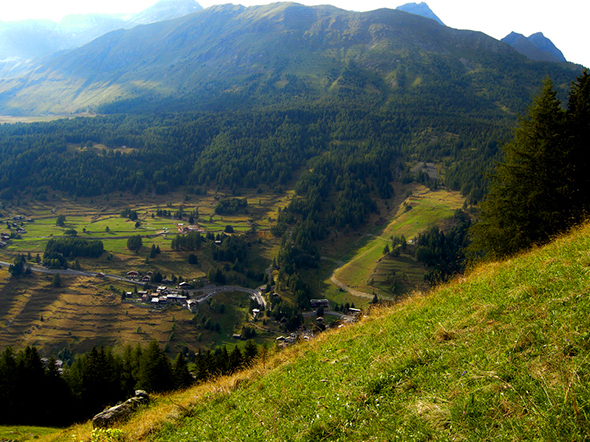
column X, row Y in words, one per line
column 564, row 22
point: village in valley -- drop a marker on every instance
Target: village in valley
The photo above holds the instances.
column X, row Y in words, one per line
column 150, row 278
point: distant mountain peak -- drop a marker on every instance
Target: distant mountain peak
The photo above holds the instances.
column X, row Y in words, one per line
column 536, row 47
column 421, row 9
column 166, row 10
column 546, row 45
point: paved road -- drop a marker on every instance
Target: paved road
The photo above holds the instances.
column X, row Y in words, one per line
column 38, row 269
column 212, row 290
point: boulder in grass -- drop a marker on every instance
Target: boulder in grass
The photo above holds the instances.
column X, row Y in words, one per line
column 108, row 418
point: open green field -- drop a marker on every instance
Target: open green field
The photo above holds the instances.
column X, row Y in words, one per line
column 21, row 434
column 100, row 219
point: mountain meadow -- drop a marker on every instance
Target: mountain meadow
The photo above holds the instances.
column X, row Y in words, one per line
column 294, row 223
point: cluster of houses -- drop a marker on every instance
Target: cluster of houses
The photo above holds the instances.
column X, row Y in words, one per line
column 162, row 296
column 19, row 229
column 59, row 364
column 286, row 341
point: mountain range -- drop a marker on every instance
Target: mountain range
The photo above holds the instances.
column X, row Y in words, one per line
column 280, row 51
column 28, row 43
column 536, row 47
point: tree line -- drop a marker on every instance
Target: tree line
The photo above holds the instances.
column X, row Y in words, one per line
column 59, row 250
column 36, row 391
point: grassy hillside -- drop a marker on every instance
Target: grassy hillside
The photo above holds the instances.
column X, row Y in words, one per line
column 501, row 354
column 366, row 268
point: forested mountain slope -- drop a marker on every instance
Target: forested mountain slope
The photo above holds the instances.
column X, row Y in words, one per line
column 283, row 52
column 501, row 354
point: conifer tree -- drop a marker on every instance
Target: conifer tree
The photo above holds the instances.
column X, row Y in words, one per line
column 578, row 127
column 156, row 371
column 250, row 352
column 236, row 360
column 182, row 377
column 524, row 205
column 542, row 188
column 8, row 386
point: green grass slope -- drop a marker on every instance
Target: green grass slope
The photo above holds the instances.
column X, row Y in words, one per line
column 503, row 354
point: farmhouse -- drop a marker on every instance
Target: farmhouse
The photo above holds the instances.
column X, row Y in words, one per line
column 190, row 228
column 178, row 299
column 132, row 274
column 315, row 303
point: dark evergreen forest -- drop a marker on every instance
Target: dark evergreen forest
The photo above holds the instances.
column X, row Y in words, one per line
column 239, row 149
column 35, row 391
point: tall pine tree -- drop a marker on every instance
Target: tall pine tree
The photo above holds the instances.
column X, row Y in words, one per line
column 578, row 128
column 541, row 187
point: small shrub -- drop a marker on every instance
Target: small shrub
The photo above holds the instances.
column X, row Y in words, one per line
column 106, row 435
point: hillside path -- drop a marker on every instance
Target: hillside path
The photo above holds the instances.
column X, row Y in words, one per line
column 350, row 290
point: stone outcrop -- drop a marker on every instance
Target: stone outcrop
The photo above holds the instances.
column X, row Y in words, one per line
column 108, row 418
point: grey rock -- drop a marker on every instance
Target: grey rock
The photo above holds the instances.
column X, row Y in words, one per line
column 108, row 418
